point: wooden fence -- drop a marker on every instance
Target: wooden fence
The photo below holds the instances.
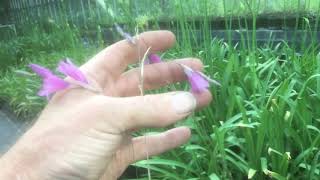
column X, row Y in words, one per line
column 78, row 12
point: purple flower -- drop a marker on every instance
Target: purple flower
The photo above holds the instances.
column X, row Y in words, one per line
column 52, row 83
column 41, row 71
column 198, row 81
column 154, row 58
column 67, row 68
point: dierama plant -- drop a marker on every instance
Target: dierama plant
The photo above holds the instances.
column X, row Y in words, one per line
column 198, row 81
column 52, row 83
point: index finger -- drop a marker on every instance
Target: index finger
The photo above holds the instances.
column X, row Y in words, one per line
column 113, row 60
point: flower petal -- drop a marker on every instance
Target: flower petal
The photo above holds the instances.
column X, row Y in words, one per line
column 154, row 58
column 52, row 84
column 197, row 82
column 209, row 79
column 41, row 71
column 69, row 69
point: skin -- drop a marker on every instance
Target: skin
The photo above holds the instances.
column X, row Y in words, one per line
column 86, row 135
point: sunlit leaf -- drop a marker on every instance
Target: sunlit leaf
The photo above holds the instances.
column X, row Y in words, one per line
column 213, row 176
column 251, row 173
column 102, row 3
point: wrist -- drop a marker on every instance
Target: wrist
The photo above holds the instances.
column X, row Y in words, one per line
column 20, row 162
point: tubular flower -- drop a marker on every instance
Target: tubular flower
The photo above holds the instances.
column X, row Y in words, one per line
column 198, row 81
column 153, row 58
column 67, row 68
column 51, row 83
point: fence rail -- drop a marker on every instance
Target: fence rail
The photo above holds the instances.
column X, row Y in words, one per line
column 76, row 11
column 82, row 12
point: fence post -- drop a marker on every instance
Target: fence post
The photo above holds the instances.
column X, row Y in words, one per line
column 16, row 11
column 20, row 10
column 73, row 11
column 83, row 13
column 98, row 11
column 54, row 7
column 24, row 11
column 49, row 8
column 70, row 12
column 10, row 13
column 38, row 9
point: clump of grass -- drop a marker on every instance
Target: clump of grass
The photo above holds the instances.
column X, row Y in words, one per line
column 263, row 122
column 19, row 88
column 45, row 46
column 264, row 119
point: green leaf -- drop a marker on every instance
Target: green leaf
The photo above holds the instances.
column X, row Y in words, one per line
column 194, row 147
column 157, row 169
column 165, row 162
column 102, row 4
column 251, row 173
column 110, row 11
column 213, row 176
column 264, row 165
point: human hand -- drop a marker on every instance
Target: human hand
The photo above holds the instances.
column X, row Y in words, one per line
column 84, row 135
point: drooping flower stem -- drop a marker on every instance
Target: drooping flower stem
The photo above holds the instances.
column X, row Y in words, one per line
column 198, row 81
column 125, row 35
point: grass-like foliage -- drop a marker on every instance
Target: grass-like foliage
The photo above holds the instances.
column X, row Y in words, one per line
column 43, row 46
column 264, row 120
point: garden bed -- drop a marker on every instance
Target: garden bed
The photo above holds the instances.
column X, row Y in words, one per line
column 264, row 119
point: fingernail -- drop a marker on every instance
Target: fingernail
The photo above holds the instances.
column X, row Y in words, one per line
column 183, row 102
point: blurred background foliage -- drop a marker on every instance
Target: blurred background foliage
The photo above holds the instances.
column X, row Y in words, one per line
column 263, row 122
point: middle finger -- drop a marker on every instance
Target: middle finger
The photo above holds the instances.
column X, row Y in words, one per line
column 155, row 76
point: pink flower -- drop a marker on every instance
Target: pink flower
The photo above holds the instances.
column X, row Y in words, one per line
column 154, row 58
column 67, row 68
column 41, row 71
column 52, row 83
column 198, row 81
